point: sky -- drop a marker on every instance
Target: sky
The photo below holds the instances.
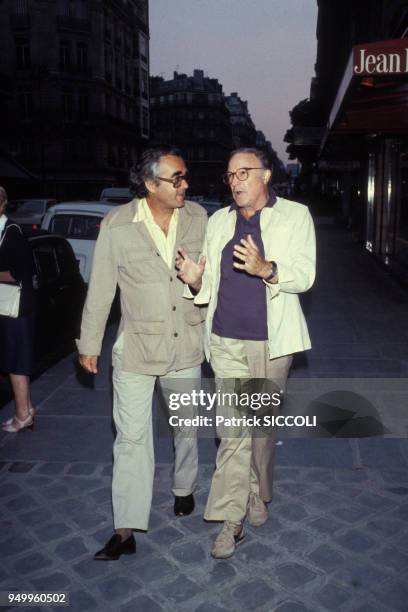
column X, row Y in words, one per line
column 263, row 49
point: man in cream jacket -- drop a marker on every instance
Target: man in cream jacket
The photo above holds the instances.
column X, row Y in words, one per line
column 259, row 254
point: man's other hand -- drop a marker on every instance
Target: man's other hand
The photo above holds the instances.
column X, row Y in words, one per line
column 89, row 363
column 189, row 271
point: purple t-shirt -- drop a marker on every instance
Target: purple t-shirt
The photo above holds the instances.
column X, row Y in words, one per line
column 241, row 306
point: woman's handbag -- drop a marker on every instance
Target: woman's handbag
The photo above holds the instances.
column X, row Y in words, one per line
column 9, row 299
column 9, row 296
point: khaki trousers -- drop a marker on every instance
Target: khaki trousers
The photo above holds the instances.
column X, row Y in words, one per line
column 244, row 461
column 133, row 452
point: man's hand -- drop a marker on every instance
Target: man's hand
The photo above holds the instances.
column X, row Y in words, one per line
column 253, row 262
column 189, row 271
column 89, row 363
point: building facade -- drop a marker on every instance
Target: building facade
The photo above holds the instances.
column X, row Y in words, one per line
column 190, row 112
column 76, row 111
column 243, row 129
column 352, row 134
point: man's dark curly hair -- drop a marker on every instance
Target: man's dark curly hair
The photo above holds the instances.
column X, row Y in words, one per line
column 261, row 154
column 146, row 169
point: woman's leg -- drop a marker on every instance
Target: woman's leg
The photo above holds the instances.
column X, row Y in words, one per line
column 21, row 389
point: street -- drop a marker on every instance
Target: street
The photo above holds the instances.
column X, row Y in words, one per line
column 337, row 536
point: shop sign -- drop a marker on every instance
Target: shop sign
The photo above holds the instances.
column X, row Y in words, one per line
column 382, row 57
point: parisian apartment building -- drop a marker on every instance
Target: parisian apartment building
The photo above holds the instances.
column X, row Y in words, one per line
column 75, row 91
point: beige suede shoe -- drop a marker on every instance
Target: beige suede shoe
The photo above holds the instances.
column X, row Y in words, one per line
column 257, row 513
column 229, row 537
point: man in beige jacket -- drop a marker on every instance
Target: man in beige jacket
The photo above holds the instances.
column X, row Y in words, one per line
column 160, row 333
column 260, row 254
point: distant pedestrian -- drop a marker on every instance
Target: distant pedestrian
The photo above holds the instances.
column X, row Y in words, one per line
column 17, row 334
column 260, row 255
column 160, row 333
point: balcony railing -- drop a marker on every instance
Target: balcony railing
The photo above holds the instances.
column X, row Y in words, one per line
column 65, row 22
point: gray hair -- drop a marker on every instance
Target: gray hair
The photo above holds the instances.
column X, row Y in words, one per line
column 3, row 195
column 148, row 167
column 260, row 154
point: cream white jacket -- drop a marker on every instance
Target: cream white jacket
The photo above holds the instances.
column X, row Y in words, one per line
column 289, row 239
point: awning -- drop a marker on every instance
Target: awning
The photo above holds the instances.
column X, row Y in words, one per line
column 373, row 94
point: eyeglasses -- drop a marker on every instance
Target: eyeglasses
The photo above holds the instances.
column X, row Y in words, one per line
column 176, row 181
column 241, row 174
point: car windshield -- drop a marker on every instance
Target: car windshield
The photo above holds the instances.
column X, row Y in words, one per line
column 30, row 207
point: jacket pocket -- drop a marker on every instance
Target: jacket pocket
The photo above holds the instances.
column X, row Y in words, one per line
column 145, row 342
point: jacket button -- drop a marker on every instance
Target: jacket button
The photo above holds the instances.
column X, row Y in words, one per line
column 174, row 308
column 171, row 279
column 175, row 334
column 158, row 254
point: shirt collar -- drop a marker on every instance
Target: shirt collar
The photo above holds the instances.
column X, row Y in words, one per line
column 270, row 203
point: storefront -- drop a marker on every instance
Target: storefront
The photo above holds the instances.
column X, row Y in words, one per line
column 368, row 129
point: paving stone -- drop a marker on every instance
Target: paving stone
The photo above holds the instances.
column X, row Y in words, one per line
column 325, row 525
column 102, row 496
column 14, row 545
column 76, row 506
column 293, row 512
column 326, row 558
column 71, row 549
column 35, row 517
column 394, row 595
column 385, row 527
column 21, row 503
column 271, row 528
column 157, row 520
column 157, row 568
column 107, row 470
column 160, row 498
column 3, row 464
column 291, row 606
column 166, row 536
column 295, row 489
column 402, row 512
column 8, row 489
column 332, row 597
column 397, row 490
column 32, row 563
column 89, row 569
column 81, row 469
column 188, row 553
column 20, row 467
column 356, row 541
column 180, row 590
column 38, row 482
column 350, row 514
column 362, row 577
column 209, row 607
column 51, row 582
column 377, row 503
column 89, row 521
column 294, row 575
column 295, row 540
column 356, row 475
column 118, row 588
column 254, row 594
column 52, row 531
column 221, row 572
column 55, row 492
column 142, row 603
column 391, row 558
column 321, row 500
column 256, row 553
column 317, row 476
column 51, row 468
column 81, row 601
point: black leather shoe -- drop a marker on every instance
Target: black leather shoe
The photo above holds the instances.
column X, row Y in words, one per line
column 184, row 505
column 115, row 547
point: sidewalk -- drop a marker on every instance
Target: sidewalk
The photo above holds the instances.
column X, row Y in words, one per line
column 337, row 537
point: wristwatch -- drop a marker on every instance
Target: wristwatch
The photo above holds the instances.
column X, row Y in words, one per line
column 274, row 271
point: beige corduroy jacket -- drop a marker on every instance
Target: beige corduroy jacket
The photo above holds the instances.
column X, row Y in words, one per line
column 161, row 330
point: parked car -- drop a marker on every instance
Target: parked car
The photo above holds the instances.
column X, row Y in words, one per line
column 29, row 213
column 60, row 294
column 116, row 195
column 210, row 205
column 79, row 223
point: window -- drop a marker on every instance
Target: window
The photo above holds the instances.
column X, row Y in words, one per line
column 65, row 55
column 145, row 121
column 83, row 106
column 23, row 58
column 82, row 56
column 145, row 83
column 25, row 105
column 46, row 263
column 67, row 106
column 143, row 47
column 20, row 7
column 79, row 227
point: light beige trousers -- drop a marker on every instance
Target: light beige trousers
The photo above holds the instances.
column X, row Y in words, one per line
column 133, row 452
column 244, row 461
